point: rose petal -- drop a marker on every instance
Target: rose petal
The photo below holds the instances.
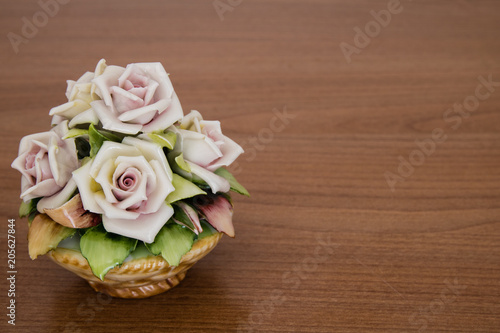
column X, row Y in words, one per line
column 39, row 139
column 163, row 188
column 86, row 117
column 150, row 93
column 100, row 67
column 124, row 100
column 230, row 152
column 71, row 91
column 147, row 179
column 188, row 120
column 144, row 229
column 58, row 199
column 130, row 70
column 20, row 165
column 111, row 151
column 111, row 211
column 104, row 178
column 156, row 71
column 138, row 91
column 70, row 109
column 216, row 183
column 211, row 128
column 56, row 120
column 137, row 199
column 42, row 167
column 159, row 109
column 193, row 129
column 44, row 173
column 87, row 188
column 121, row 171
column 198, row 148
column 110, row 120
column 144, row 114
column 108, row 79
column 62, row 155
column 99, row 70
column 128, row 180
column 81, row 92
column 166, row 117
column 150, row 151
column 69, row 88
column 47, row 187
column 86, row 77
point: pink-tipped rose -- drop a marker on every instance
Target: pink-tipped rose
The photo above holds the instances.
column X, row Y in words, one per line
column 206, row 149
column 139, row 98
column 80, row 94
column 128, row 183
column 46, row 162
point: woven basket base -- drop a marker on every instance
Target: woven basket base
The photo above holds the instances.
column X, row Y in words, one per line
column 146, row 290
column 138, row 278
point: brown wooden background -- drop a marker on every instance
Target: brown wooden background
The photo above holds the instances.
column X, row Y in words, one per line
column 424, row 257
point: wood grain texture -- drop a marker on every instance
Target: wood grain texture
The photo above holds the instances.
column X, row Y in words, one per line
column 422, row 258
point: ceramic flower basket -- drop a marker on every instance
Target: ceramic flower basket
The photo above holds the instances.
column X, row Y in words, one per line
column 125, row 190
column 138, row 278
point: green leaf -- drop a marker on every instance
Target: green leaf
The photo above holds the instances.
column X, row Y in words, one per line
column 208, row 230
column 111, row 136
column 32, row 216
column 186, row 215
column 74, row 132
column 235, row 186
column 164, row 139
column 104, row 250
column 183, row 189
column 172, row 242
column 72, row 242
column 181, row 163
column 141, row 251
column 174, row 161
column 97, row 138
column 181, row 217
column 198, row 181
column 26, row 208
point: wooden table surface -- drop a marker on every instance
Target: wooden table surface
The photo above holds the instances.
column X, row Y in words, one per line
column 375, row 200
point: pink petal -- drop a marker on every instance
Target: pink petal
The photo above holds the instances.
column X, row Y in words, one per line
column 218, row 212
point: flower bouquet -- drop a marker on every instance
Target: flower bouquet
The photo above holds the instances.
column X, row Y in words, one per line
column 125, row 190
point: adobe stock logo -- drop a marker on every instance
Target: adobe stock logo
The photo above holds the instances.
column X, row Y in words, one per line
column 453, row 117
column 257, row 143
column 424, row 317
column 221, row 7
column 29, row 27
column 372, row 29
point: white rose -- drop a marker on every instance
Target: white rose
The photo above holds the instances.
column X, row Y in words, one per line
column 139, row 98
column 206, row 149
column 80, row 94
column 46, row 162
column 128, row 183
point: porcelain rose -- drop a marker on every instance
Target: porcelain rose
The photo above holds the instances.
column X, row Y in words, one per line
column 80, row 94
column 139, row 98
column 206, row 149
column 128, row 183
column 46, row 162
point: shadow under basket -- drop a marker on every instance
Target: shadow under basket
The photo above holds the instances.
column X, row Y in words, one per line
column 137, row 278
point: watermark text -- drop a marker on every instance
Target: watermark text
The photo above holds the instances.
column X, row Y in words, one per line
column 11, row 271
